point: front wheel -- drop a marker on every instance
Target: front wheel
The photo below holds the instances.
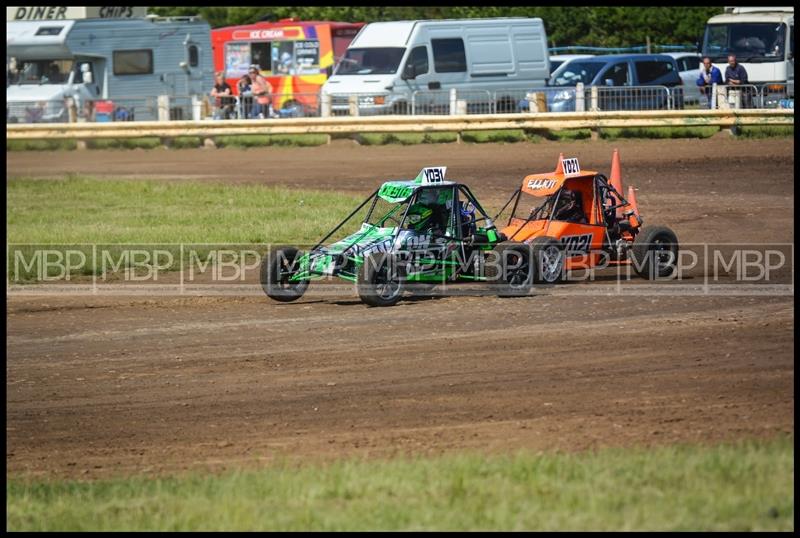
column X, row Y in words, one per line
column 379, row 281
column 655, row 252
column 277, row 268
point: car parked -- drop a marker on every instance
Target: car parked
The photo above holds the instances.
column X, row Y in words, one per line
column 689, row 70
column 557, row 60
column 622, row 80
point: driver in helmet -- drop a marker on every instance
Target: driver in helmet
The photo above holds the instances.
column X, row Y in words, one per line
column 570, row 207
column 420, row 215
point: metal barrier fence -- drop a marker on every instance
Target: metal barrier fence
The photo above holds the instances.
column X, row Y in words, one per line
column 37, row 112
column 72, row 110
column 450, row 102
column 419, row 103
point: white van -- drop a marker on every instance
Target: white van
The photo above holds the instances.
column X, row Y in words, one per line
column 389, row 64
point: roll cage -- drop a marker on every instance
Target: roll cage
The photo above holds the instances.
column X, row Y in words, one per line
column 605, row 200
column 456, row 230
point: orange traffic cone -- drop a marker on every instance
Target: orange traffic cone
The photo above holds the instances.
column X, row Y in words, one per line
column 634, row 219
column 616, row 177
column 560, row 165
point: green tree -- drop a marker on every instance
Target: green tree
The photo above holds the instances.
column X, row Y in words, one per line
column 599, row 26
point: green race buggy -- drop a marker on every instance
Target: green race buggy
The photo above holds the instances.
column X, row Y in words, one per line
column 416, row 234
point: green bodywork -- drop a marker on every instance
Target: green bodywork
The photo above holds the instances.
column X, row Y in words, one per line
column 344, row 257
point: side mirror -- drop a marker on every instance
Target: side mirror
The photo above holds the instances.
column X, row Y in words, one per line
column 409, row 72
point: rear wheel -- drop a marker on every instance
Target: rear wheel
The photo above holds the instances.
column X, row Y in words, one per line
column 655, row 252
column 511, row 273
column 379, row 282
column 277, row 268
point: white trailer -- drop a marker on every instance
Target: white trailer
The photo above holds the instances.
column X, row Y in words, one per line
column 53, row 62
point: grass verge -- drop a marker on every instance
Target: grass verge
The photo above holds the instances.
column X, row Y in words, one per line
column 254, row 141
column 40, row 145
column 494, row 136
column 744, row 486
column 80, row 210
column 124, row 143
column 379, row 139
column 765, row 131
column 658, row 132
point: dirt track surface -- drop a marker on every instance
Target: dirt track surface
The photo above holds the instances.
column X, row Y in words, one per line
column 102, row 386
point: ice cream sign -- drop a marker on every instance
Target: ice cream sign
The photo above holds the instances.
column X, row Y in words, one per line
column 269, row 33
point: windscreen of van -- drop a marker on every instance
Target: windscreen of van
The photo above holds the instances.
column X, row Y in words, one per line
column 574, row 72
column 750, row 42
column 372, row 61
column 41, row 72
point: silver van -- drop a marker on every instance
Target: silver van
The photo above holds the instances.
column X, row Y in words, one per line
column 392, row 64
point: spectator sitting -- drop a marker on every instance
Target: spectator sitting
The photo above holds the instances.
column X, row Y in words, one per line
column 221, row 92
column 244, row 88
column 736, row 75
column 709, row 75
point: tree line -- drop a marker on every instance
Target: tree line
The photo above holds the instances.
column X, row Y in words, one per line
column 572, row 25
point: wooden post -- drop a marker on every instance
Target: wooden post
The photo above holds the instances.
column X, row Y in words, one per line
column 580, row 98
column 163, row 108
column 353, row 102
column 325, row 108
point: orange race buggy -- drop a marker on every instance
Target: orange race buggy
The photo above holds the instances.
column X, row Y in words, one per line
column 577, row 219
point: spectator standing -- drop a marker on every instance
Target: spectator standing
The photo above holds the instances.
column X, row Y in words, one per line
column 709, row 75
column 221, row 92
column 736, row 75
column 262, row 90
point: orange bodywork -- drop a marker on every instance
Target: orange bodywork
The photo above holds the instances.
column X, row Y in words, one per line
column 583, row 241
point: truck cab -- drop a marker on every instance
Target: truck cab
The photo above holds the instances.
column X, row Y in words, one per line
column 762, row 38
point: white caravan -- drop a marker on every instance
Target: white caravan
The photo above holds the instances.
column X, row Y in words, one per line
column 391, row 64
